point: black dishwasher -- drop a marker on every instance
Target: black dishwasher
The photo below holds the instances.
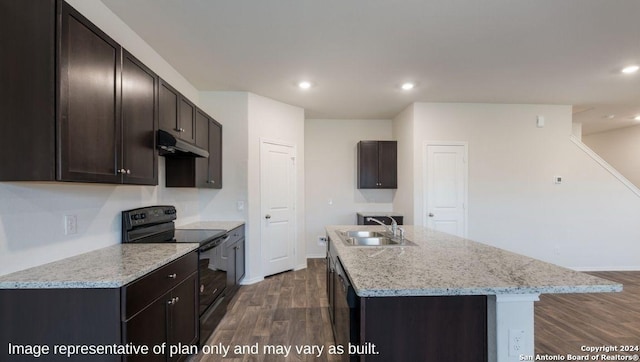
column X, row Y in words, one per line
column 347, row 311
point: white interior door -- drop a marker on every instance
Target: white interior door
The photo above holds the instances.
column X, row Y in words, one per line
column 278, row 195
column 446, row 188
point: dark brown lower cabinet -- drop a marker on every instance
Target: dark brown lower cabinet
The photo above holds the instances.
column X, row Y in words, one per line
column 438, row 328
column 235, row 260
column 160, row 307
column 168, row 319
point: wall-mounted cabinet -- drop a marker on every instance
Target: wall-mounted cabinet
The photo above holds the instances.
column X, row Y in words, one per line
column 83, row 109
column 199, row 172
column 377, row 165
column 177, row 113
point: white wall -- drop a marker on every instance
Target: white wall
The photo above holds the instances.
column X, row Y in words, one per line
column 110, row 23
column 274, row 121
column 231, row 110
column 332, row 196
column 620, row 148
column 587, row 222
column 32, row 217
column 403, row 132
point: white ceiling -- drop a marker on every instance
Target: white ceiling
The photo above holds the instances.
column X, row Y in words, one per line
column 358, row 52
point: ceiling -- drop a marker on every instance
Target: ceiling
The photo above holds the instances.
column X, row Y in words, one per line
column 357, row 53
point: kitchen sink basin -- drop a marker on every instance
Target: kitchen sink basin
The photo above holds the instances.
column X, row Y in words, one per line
column 363, row 234
column 370, row 238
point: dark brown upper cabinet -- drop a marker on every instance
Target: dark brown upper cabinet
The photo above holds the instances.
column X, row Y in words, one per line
column 377, row 165
column 82, row 111
column 177, row 113
column 89, row 122
column 28, row 90
column 199, row 172
column 139, row 122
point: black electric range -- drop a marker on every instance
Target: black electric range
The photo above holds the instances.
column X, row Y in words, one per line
column 155, row 224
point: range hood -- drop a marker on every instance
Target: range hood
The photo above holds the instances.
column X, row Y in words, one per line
column 169, row 145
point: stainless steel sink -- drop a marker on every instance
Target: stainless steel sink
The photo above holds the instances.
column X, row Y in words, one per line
column 363, row 234
column 370, row 238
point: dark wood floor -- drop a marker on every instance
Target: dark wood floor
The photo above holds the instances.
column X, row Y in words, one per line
column 284, row 309
column 565, row 322
column 291, row 309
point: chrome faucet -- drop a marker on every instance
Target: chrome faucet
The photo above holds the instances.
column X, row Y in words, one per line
column 393, row 230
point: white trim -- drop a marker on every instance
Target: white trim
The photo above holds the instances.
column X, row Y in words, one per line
column 317, row 256
column 605, row 165
column 425, row 145
column 301, row 266
column 246, row 281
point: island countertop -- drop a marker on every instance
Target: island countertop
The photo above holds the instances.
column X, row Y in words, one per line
column 443, row 264
column 110, row 267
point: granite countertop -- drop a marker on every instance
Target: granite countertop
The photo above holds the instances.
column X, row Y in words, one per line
column 110, row 267
column 443, row 264
column 225, row 225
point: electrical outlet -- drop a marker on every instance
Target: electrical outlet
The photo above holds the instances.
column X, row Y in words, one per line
column 70, row 224
column 322, row 240
column 516, row 342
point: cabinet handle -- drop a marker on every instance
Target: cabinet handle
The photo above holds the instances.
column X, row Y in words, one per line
column 128, row 172
column 211, row 181
column 122, row 170
column 176, row 300
column 172, row 301
column 181, row 129
column 172, row 276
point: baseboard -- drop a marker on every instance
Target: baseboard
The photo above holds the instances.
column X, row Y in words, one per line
column 246, row 281
column 301, row 266
column 605, row 268
column 316, row 256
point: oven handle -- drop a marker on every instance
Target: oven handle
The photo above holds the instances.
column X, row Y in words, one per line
column 214, row 243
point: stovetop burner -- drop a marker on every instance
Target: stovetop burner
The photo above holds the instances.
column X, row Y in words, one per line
column 201, row 236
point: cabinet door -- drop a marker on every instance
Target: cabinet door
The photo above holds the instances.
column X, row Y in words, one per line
column 27, row 90
column 368, row 164
column 239, row 265
column 202, row 140
column 183, row 314
column 231, row 267
column 187, row 120
column 139, row 122
column 387, row 164
column 89, row 104
column 149, row 327
column 215, row 155
column 168, row 108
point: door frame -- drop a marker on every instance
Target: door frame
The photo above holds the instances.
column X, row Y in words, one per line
column 264, row 141
column 425, row 168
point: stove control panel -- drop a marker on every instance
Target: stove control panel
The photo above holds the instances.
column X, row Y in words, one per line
column 147, row 216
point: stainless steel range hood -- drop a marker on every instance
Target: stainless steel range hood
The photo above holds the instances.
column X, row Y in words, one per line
column 169, row 145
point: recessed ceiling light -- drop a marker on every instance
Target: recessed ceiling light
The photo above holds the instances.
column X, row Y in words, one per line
column 630, row 69
column 304, row 85
column 637, row 118
column 610, row 116
column 408, row 86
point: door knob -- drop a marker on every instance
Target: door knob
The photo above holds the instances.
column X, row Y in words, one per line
column 430, row 214
column 267, row 216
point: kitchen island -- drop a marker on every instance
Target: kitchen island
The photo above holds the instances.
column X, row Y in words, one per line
column 444, row 280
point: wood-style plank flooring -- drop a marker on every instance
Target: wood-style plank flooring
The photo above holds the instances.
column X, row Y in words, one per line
column 284, row 309
column 291, row 308
column 565, row 322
